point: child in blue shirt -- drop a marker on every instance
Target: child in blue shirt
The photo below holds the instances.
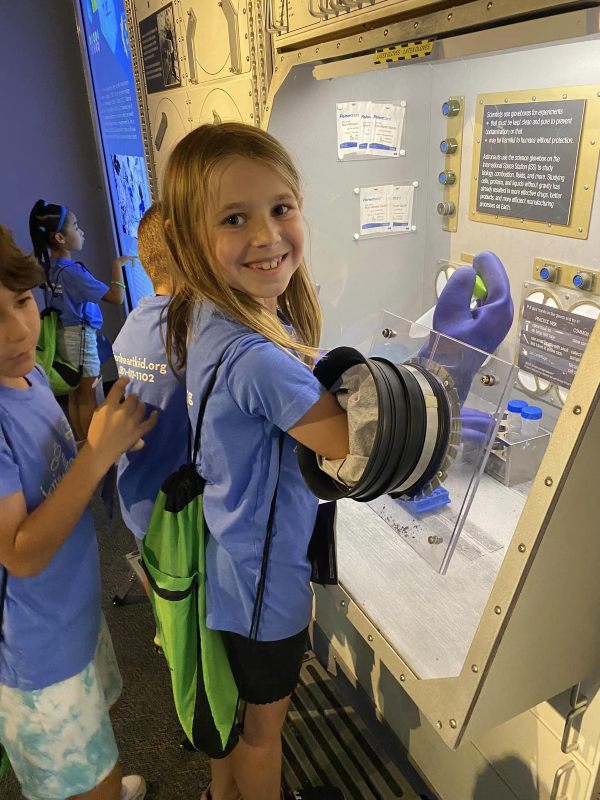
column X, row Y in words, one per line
column 244, row 297
column 140, row 355
column 75, row 292
column 58, row 674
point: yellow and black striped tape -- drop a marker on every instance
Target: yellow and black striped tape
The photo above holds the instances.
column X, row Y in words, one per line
column 403, row 52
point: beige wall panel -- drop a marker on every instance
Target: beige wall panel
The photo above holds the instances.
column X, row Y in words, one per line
column 169, row 122
column 216, row 39
column 229, row 101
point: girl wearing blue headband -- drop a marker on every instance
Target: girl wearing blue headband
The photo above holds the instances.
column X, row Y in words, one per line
column 75, row 292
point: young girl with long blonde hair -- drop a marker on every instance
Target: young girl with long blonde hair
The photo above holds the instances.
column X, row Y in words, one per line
column 244, row 303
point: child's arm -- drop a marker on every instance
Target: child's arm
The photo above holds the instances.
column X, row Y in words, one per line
column 29, row 541
column 117, row 284
column 324, row 428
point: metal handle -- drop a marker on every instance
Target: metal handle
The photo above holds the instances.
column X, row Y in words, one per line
column 271, row 26
column 231, row 15
column 558, row 781
column 190, row 39
column 579, row 704
column 319, row 14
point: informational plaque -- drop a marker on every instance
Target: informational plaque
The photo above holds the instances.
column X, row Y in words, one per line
column 535, row 159
column 528, row 159
column 552, row 342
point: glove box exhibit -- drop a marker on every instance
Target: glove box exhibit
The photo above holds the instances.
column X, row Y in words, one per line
column 475, row 597
column 466, row 605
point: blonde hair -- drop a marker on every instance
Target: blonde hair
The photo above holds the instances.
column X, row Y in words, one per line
column 152, row 247
column 187, row 200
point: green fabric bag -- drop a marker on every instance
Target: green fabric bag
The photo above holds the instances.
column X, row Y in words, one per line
column 173, row 556
column 64, row 377
column 204, row 690
column 4, row 762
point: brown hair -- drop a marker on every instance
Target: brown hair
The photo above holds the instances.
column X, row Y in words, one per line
column 18, row 272
column 186, row 199
column 152, row 247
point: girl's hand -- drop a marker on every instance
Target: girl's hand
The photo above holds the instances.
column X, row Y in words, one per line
column 118, row 425
column 122, row 260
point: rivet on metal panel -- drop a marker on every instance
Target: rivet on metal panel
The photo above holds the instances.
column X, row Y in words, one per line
column 402, row 678
column 369, row 638
column 481, row 102
column 522, row 221
column 316, row 50
column 338, row 45
column 506, row 99
column 580, row 230
column 453, row 721
column 343, row 603
column 497, row 610
column 385, row 32
column 449, row 17
column 247, row 58
column 439, row 725
column 416, row 25
column 593, row 141
column 564, row 96
column 360, row 38
column 586, row 187
column 489, row 5
column 577, row 410
column 474, row 668
column 548, row 481
column 300, row 55
column 521, row 548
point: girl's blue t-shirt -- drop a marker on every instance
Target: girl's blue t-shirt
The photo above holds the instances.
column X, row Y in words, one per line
column 260, row 389
column 51, row 620
column 75, row 293
column 140, row 355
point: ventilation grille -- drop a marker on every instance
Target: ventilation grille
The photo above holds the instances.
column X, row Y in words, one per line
column 326, row 742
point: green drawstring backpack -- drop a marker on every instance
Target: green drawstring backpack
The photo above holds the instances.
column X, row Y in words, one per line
column 173, row 556
column 63, row 376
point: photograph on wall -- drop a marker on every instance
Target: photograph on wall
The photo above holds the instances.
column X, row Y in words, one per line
column 132, row 191
column 160, row 51
column 165, row 21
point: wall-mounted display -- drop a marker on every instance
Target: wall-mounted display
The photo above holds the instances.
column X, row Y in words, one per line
column 114, row 96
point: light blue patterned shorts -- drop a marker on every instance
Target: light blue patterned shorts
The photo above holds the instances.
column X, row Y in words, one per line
column 71, row 348
column 60, row 740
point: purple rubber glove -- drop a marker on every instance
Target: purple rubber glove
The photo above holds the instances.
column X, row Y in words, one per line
column 483, row 327
column 477, row 426
column 486, row 326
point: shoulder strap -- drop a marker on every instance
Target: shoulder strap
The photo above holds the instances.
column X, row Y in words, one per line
column 211, row 385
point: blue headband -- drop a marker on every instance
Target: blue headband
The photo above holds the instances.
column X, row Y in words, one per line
column 61, row 221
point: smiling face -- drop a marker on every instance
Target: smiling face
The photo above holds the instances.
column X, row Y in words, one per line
column 19, row 332
column 256, row 229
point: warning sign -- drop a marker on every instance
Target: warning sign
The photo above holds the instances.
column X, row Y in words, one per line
column 403, row 52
